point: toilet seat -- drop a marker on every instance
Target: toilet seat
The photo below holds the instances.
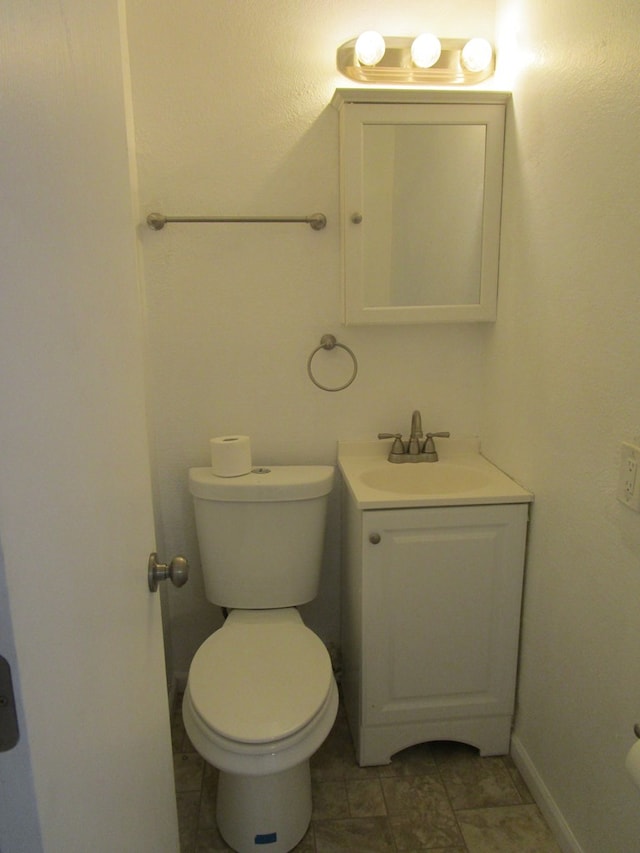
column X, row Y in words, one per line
column 292, row 699
column 260, row 678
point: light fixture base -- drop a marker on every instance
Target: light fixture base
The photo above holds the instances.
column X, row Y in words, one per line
column 396, row 66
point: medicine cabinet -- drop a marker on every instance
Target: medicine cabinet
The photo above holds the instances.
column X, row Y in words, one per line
column 421, row 195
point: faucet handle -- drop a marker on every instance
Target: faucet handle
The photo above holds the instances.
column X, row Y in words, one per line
column 398, row 445
column 429, row 448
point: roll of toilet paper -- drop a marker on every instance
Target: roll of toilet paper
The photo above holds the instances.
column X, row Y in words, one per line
column 230, row 455
column 632, row 763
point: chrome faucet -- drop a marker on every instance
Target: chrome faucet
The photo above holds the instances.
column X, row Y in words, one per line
column 413, row 450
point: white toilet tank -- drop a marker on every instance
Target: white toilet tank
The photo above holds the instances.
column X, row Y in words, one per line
column 261, row 535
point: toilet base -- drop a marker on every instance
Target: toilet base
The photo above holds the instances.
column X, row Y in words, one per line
column 264, row 813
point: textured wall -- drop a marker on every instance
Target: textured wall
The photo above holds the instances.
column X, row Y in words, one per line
column 231, row 103
column 562, row 392
column 231, row 111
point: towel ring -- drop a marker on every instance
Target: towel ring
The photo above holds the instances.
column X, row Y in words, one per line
column 329, row 342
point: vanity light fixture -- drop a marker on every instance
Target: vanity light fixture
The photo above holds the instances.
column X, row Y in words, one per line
column 476, row 55
column 369, row 48
column 424, row 60
column 425, row 50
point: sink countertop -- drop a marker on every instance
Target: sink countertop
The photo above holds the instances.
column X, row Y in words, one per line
column 356, row 458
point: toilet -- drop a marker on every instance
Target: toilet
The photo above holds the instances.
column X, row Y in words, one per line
column 261, row 696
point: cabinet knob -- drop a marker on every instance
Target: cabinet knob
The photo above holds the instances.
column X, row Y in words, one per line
column 374, row 538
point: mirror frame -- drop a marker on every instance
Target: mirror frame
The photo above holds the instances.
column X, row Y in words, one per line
column 440, row 106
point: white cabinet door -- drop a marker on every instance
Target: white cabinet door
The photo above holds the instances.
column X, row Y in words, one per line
column 441, row 612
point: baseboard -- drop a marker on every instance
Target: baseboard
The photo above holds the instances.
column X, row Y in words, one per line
column 541, row 794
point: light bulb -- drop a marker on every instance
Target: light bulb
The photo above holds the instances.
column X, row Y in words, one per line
column 370, row 47
column 425, row 50
column 476, row 55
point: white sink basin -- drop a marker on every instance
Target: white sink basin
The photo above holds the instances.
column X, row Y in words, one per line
column 461, row 476
column 424, row 478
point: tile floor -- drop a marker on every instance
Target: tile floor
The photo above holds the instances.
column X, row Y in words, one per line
column 439, row 797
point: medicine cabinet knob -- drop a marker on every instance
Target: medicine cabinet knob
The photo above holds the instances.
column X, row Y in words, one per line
column 356, row 218
column 374, row 538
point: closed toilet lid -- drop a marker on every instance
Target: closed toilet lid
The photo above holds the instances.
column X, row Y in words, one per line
column 261, row 677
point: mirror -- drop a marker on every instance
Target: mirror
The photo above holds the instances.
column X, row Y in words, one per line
column 421, row 197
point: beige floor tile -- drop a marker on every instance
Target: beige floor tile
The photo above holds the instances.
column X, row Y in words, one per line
column 336, row 757
column 420, row 813
column 365, row 798
column 188, row 804
column 518, row 781
column 434, row 850
column 509, row 829
column 331, row 760
column 210, row 841
column 187, row 769
column 179, row 737
column 424, row 832
column 207, row 818
column 329, row 800
column 475, row 782
column 308, row 843
column 364, row 835
column 415, row 794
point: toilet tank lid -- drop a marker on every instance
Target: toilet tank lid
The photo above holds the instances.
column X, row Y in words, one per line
column 268, row 483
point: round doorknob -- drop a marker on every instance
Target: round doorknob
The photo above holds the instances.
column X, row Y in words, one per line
column 177, row 571
column 374, row 538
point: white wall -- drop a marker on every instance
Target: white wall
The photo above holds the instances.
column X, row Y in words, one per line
column 232, row 117
column 231, row 103
column 562, row 392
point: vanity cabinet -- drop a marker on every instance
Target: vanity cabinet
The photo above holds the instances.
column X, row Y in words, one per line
column 431, row 604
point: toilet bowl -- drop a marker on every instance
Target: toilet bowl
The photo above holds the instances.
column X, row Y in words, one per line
column 260, row 699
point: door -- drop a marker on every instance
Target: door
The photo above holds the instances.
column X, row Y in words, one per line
column 92, row 769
